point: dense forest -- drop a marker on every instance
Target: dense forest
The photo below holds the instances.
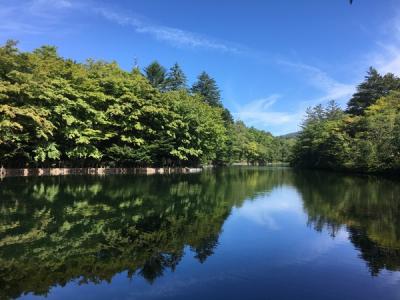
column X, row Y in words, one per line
column 59, row 112
column 364, row 138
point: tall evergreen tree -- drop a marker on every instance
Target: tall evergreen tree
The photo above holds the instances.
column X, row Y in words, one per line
column 374, row 87
column 155, row 73
column 176, row 79
column 207, row 87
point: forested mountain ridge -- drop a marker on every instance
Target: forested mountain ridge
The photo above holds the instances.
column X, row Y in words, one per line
column 363, row 138
column 58, row 112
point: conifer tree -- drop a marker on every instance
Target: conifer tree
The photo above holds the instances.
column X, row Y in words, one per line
column 176, row 79
column 374, row 87
column 155, row 73
column 208, row 89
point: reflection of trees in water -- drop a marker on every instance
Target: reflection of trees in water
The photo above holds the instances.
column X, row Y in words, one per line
column 205, row 248
column 369, row 207
column 155, row 265
column 376, row 256
column 53, row 230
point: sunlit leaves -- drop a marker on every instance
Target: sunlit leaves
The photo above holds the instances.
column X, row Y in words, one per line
column 56, row 110
column 367, row 143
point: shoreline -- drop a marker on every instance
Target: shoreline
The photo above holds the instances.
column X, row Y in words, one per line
column 26, row 172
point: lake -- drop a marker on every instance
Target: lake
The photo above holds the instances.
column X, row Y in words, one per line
column 233, row 233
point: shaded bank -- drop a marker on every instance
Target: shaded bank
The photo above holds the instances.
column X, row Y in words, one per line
column 92, row 171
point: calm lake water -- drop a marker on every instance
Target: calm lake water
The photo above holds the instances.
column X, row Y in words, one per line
column 235, row 233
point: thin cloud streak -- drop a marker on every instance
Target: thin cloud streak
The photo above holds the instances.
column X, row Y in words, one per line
column 40, row 16
column 39, row 5
column 174, row 36
column 387, row 57
column 260, row 113
column 331, row 88
column 32, row 17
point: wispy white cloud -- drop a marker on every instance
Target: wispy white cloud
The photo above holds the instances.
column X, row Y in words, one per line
column 260, row 113
column 265, row 209
column 40, row 4
column 15, row 27
column 330, row 88
column 31, row 16
column 174, row 36
column 37, row 16
column 386, row 58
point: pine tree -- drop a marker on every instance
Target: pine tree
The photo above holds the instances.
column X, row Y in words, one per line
column 374, row 87
column 155, row 73
column 176, row 79
column 207, row 87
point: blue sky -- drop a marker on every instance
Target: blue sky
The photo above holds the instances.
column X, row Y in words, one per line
column 271, row 59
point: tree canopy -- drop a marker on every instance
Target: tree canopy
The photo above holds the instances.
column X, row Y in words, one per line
column 58, row 112
column 155, row 73
column 176, row 79
column 364, row 138
column 368, row 92
column 207, row 87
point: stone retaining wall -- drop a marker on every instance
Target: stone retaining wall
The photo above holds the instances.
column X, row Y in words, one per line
column 92, row 171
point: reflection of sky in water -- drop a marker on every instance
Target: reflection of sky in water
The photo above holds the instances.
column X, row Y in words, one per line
column 279, row 215
column 264, row 209
column 265, row 249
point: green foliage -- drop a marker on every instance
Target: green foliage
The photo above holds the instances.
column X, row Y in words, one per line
column 374, row 87
column 198, row 130
column 366, row 140
column 258, row 147
column 321, row 138
column 54, row 111
column 208, row 89
column 176, row 79
column 155, row 73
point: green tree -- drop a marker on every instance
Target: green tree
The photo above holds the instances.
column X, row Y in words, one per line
column 175, row 79
column 55, row 111
column 156, row 74
column 208, row 89
column 322, row 141
column 366, row 143
column 374, row 87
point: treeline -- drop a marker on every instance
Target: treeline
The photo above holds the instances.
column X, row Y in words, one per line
column 364, row 138
column 58, row 112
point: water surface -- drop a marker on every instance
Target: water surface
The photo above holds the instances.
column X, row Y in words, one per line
column 235, row 233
